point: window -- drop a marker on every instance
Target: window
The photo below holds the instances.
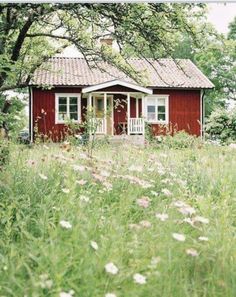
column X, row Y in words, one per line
column 157, row 109
column 67, row 107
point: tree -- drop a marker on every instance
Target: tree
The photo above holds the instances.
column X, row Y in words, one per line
column 232, row 30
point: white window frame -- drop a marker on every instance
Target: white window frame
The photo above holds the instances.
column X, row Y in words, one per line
column 67, row 95
column 157, row 97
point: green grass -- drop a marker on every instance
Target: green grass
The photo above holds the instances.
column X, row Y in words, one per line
column 33, row 243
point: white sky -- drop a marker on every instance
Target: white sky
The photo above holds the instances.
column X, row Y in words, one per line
column 220, row 15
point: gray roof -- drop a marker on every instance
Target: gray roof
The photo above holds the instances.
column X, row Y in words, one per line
column 161, row 73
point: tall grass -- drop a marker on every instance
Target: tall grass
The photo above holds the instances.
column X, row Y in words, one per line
column 99, row 198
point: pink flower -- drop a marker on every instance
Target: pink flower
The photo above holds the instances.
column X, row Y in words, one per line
column 143, row 202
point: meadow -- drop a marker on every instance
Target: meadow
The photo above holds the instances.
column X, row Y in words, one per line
column 130, row 222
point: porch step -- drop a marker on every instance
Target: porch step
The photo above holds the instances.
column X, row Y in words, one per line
column 123, row 139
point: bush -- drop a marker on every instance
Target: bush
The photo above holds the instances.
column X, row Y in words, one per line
column 4, row 152
column 221, row 126
column 180, row 140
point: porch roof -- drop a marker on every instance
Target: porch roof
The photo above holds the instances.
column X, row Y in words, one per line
column 117, row 82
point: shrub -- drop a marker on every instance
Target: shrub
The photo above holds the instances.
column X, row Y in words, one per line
column 180, row 140
column 221, row 126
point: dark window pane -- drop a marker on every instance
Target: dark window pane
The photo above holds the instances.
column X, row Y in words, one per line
column 73, row 108
column 151, row 108
column 161, row 117
column 100, row 104
column 73, row 100
column 62, row 108
column 62, row 100
column 74, row 116
column 161, row 109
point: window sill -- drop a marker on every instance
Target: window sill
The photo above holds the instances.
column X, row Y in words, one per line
column 157, row 123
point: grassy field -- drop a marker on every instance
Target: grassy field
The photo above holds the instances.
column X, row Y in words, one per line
column 128, row 223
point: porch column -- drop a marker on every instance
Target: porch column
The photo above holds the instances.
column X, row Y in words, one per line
column 105, row 113
column 137, row 107
column 128, row 113
column 143, row 106
column 89, row 111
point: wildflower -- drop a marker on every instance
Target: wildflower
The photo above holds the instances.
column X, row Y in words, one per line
column 69, row 294
column 155, row 260
column 31, row 162
column 107, row 185
column 139, row 279
column 78, row 168
column 154, row 193
column 84, row 198
column 111, row 268
column 145, row 224
column 192, row 252
column 162, row 216
column 136, row 168
column 189, row 221
column 166, row 192
column 187, row 210
column 201, row 220
column 45, row 282
column 66, row 191
column 203, row 238
column 179, row 203
column 143, row 202
column 81, row 182
column 42, row 176
column 65, row 224
column 178, row 236
column 105, row 173
column 94, row 245
column 110, row 295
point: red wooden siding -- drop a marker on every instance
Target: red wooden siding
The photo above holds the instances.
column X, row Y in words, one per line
column 44, row 112
column 184, row 111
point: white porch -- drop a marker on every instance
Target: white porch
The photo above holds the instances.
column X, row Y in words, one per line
column 103, row 122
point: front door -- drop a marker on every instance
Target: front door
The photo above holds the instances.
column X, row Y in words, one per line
column 99, row 110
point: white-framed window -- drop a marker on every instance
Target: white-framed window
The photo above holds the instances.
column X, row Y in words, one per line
column 68, row 107
column 157, row 109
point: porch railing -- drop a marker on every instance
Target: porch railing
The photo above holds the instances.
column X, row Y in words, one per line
column 136, row 126
column 98, row 125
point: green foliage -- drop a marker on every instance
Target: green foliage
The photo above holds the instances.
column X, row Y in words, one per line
column 41, row 258
column 232, row 30
column 221, row 125
column 4, row 153
column 179, row 140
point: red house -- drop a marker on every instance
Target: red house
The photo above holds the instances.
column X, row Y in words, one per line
column 66, row 88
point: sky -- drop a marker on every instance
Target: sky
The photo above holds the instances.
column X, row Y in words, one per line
column 220, row 15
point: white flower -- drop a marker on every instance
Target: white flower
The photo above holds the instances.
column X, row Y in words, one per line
column 105, row 173
column 94, row 245
column 42, row 176
column 65, row 224
column 166, row 192
column 154, row 193
column 66, row 191
column 81, row 182
column 201, row 220
column 69, row 294
column 187, row 210
column 110, row 295
column 111, row 268
column 192, row 252
column 139, row 279
column 78, row 168
column 84, row 198
column 178, row 236
column 203, row 238
column 162, row 216
column 145, row 224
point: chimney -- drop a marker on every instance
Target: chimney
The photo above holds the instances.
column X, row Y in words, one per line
column 106, row 41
